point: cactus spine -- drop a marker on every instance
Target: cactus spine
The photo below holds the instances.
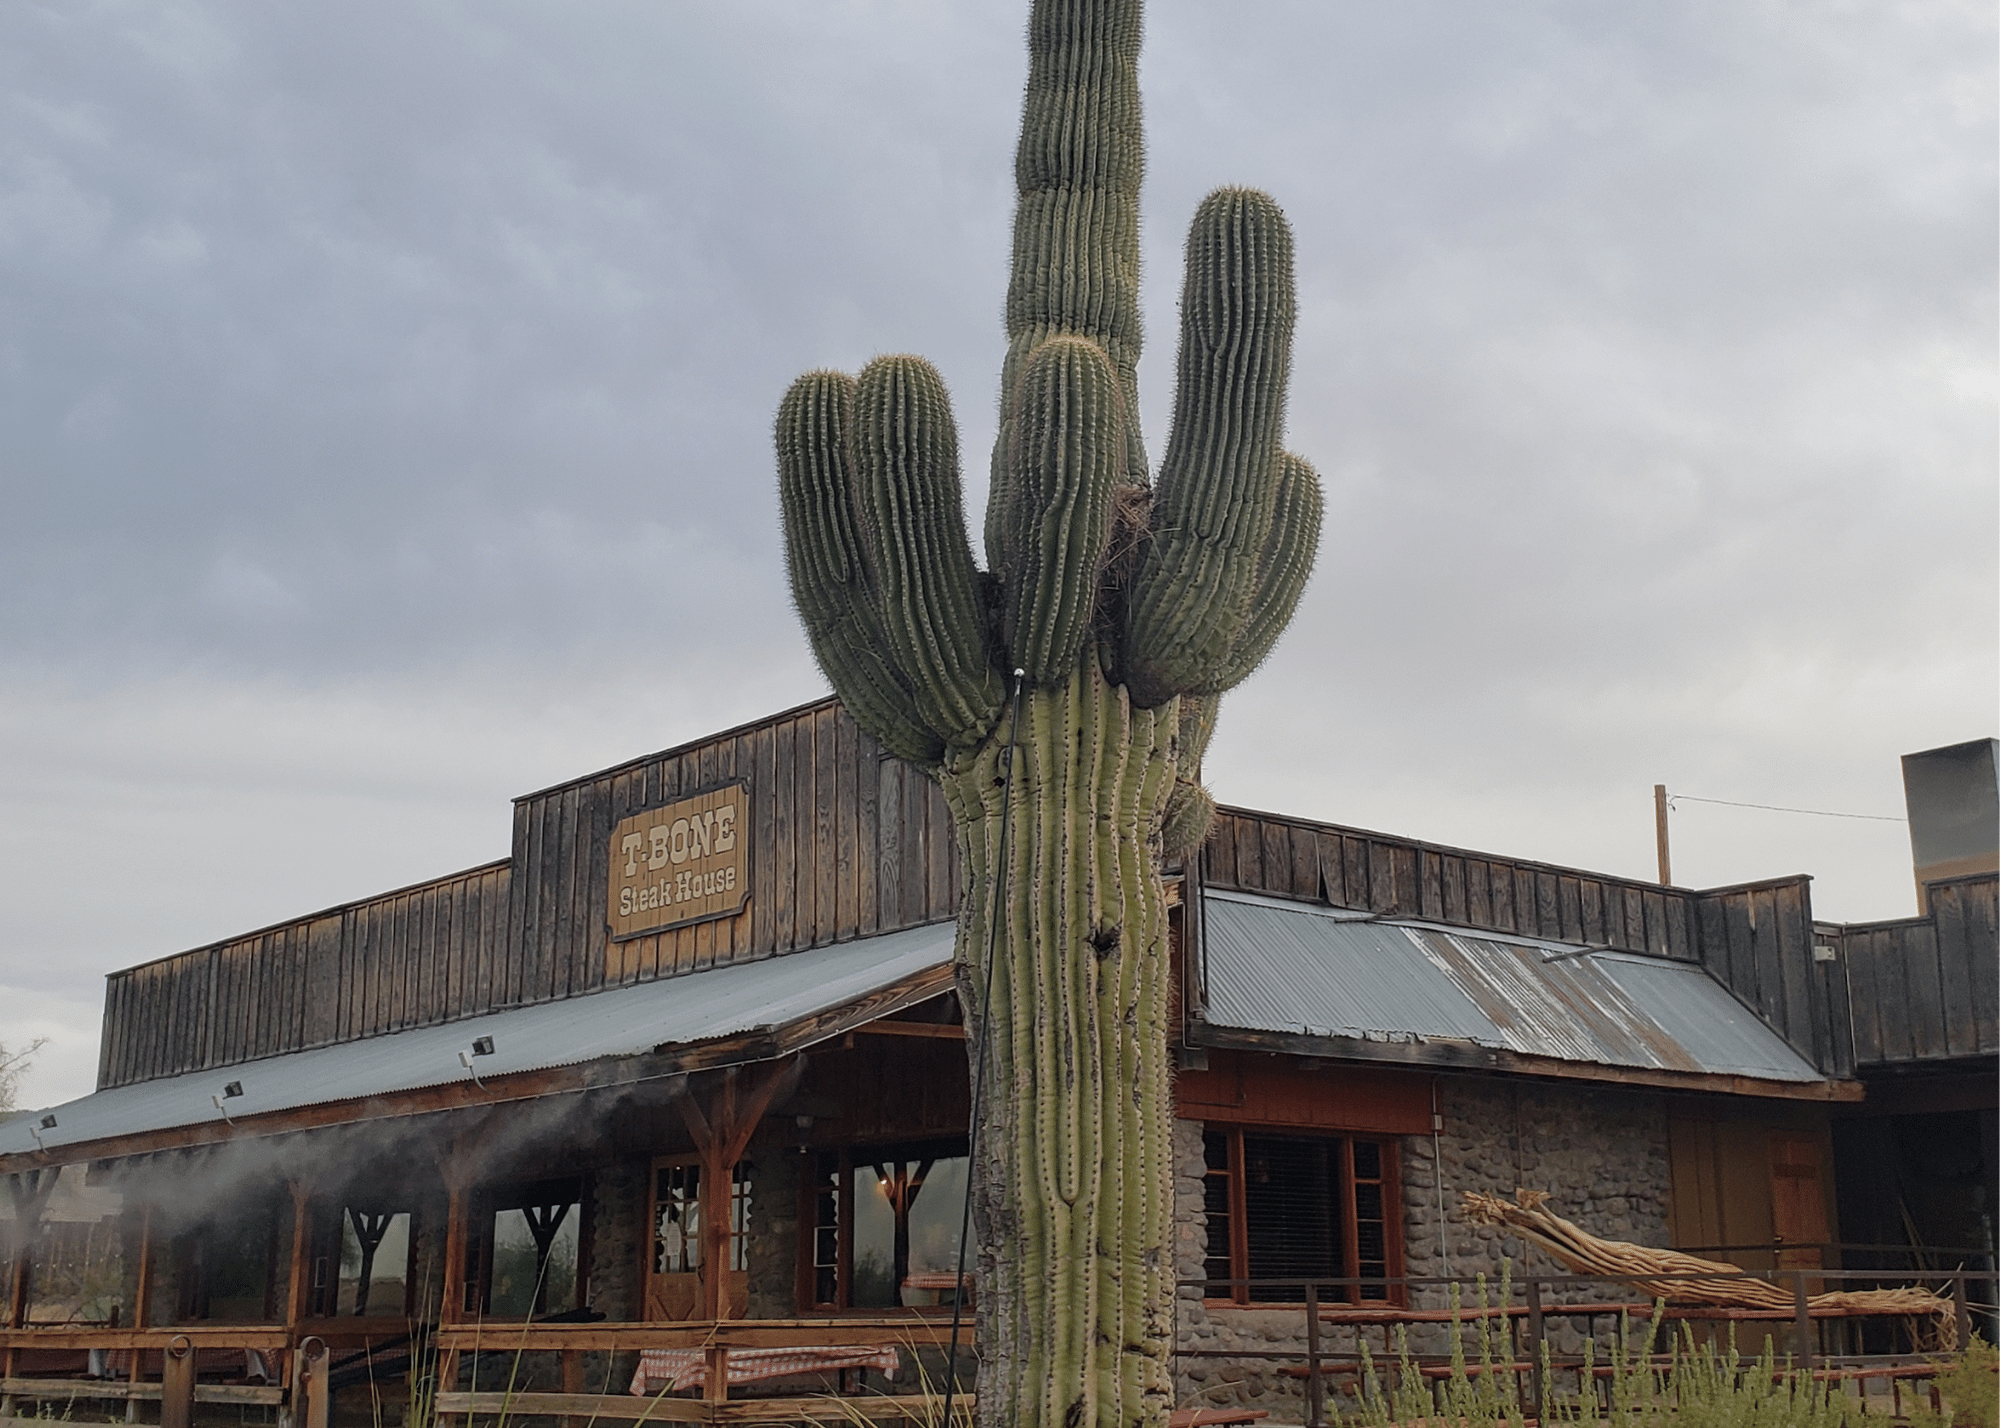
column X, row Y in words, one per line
column 1130, row 609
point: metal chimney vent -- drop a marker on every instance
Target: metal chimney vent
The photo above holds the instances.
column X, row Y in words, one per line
column 1953, row 797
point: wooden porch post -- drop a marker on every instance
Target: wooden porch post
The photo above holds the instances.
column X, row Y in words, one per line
column 300, row 1284
column 458, row 1166
column 142, row 1305
column 721, row 1134
column 30, row 1190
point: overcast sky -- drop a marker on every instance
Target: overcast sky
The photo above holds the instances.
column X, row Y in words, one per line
column 385, row 393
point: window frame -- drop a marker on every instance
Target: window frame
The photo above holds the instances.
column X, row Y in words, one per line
column 848, row 1158
column 1334, row 1297
column 328, row 1221
column 494, row 1201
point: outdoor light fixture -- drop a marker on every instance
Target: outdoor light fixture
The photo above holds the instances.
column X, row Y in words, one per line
column 231, row 1091
column 49, row 1122
column 482, row 1046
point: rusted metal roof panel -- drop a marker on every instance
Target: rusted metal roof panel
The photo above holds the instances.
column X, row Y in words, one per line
column 628, row 1021
column 1298, row 968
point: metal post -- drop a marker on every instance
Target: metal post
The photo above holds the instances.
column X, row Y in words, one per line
column 311, row 1396
column 1660, row 831
column 1315, row 1389
column 1802, row 1320
column 177, row 1384
column 1534, row 1344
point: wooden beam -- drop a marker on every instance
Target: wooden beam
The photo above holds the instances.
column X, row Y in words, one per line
column 908, row 1329
column 944, row 1030
column 721, row 1133
column 299, row 1284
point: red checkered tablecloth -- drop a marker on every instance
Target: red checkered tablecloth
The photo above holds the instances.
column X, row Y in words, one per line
column 688, row 1368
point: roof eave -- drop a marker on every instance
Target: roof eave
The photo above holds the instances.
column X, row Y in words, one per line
column 1444, row 1055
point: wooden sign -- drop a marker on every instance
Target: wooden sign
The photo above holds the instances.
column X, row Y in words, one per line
column 687, row 862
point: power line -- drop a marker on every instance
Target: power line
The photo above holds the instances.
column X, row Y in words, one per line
column 1674, row 798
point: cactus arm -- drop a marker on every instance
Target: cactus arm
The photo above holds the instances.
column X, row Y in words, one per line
column 1077, row 170
column 1190, row 807
column 913, row 518
column 1068, row 453
column 828, row 566
column 1282, row 573
column 1218, row 486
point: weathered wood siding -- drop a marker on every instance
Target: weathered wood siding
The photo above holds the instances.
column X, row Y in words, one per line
column 1757, row 940
column 404, row 959
column 846, row 842
column 1375, row 872
column 1928, row 988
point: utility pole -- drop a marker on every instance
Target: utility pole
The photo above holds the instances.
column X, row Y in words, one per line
column 1660, row 831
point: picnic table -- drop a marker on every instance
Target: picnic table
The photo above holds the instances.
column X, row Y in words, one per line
column 664, row 1369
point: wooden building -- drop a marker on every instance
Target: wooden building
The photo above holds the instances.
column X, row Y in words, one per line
column 684, row 1075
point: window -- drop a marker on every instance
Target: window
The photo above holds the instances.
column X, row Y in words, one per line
column 675, row 1289
column 1299, row 1207
column 881, row 1227
column 374, row 1275
column 530, row 1259
column 223, row 1267
column 82, row 1275
column 677, row 1218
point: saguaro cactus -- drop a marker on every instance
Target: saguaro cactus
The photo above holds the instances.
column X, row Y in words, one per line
column 1114, row 613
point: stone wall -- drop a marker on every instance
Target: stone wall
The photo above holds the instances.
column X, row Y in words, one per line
column 1600, row 1152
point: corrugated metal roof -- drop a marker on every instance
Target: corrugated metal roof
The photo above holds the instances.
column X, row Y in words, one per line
column 623, row 1021
column 1292, row 967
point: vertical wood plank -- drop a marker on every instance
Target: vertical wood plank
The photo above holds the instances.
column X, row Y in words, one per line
column 1305, row 864
column 1955, row 969
column 1274, row 855
column 868, row 835
column 785, row 838
column 1430, row 884
column 916, row 849
column 1250, row 855
column 826, row 839
column 1478, row 893
column 764, row 866
column 942, row 895
column 889, row 855
column 1454, row 903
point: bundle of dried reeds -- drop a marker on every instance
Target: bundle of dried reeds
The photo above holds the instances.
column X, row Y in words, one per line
column 1711, row 1281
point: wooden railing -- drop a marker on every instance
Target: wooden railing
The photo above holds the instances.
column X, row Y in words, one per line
column 300, row 1363
column 715, row 1340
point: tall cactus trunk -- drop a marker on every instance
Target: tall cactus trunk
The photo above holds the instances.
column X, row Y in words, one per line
column 1124, row 610
column 1068, row 988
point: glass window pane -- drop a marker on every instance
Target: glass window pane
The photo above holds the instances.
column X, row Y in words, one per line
column 1291, row 1193
column 524, row 1282
column 874, row 1284
column 79, row 1276
column 239, row 1283
column 935, row 1216
column 380, row 1242
column 677, row 1226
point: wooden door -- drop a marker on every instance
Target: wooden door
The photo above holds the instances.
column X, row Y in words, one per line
column 1798, row 1204
column 674, row 1242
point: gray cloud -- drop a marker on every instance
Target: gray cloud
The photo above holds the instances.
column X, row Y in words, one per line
column 384, row 398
